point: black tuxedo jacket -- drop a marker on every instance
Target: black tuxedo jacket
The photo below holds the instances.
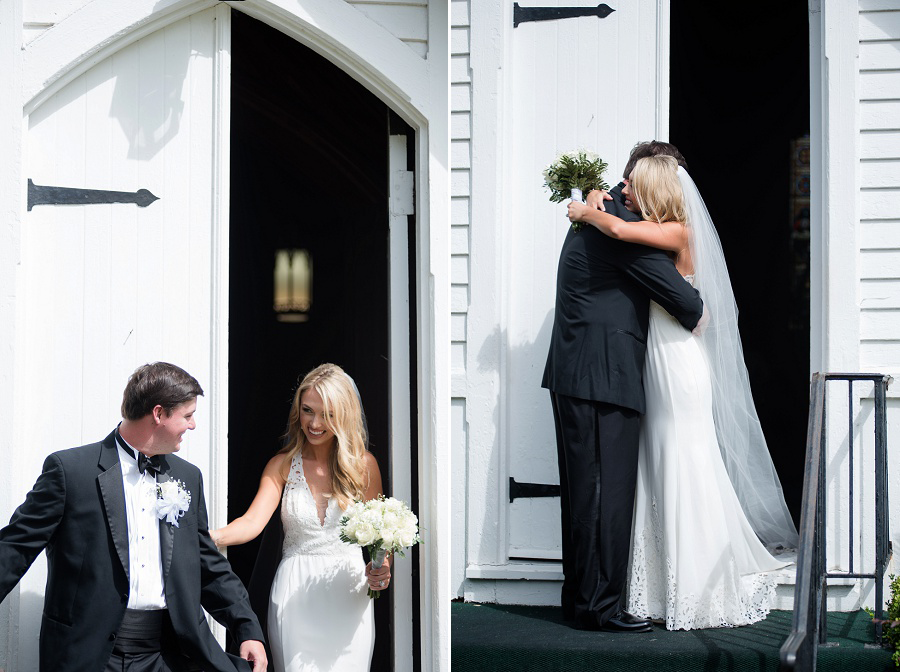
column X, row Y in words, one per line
column 76, row 511
column 603, row 292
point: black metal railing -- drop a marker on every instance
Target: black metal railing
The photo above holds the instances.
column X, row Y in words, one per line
column 810, row 615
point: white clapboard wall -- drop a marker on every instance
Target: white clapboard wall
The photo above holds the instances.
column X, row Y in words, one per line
column 460, row 236
column 878, row 267
column 520, row 97
column 879, row 175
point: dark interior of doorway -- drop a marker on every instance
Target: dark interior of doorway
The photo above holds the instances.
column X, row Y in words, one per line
column 739, row 96
column 309, row 170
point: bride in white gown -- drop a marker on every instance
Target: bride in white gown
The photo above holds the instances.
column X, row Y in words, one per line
column 320, row 617
column 708, row 501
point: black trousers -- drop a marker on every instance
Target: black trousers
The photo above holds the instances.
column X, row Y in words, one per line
column 597, row 450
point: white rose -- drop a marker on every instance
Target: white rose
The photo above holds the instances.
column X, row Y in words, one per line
column 365, row 535
column 408, row 535
column 394, row 506
column 389, row 538
column 391, row 520
column 349, row 530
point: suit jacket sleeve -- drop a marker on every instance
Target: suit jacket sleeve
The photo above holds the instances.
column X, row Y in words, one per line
column 32, row 524
column 222, row 594
column 657, row 276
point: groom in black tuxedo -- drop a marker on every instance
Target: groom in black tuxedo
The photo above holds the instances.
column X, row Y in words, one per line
column 597, row 346
column 130, row 560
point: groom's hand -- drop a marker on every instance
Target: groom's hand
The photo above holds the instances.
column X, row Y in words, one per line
column 701, row 325
column 254, row 653
column 596, row 197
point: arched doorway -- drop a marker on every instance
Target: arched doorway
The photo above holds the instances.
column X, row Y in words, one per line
column 309, row 183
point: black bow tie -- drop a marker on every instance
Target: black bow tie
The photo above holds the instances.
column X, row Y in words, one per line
column 150, row 464
column 144, row 463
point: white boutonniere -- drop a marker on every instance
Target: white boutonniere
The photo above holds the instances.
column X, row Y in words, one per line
column 172, row 500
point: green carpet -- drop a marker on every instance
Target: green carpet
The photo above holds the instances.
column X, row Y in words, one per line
column 498, row 638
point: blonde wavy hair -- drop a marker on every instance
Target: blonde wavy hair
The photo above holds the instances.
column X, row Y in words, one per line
column 343, row 416
column 657, row 190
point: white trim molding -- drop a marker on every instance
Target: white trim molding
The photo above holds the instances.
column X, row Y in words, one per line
column 834, row 145
column 12, row 207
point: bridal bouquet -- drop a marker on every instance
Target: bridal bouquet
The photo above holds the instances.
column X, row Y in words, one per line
column 381, row 525
column 572, row 174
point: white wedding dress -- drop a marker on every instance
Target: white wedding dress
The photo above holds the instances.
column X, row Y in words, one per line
column 320, row 617
column 695, row 562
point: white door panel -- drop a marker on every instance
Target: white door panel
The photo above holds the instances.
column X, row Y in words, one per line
column 107, row 287
column 576, row 83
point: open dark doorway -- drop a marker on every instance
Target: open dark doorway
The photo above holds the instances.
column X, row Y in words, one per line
column 739, row 98
column 309, row 182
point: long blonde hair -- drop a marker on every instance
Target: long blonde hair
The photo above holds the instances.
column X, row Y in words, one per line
column 657, row 190
column 343, row 416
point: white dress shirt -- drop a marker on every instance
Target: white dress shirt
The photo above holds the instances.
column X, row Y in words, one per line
column 146, row 589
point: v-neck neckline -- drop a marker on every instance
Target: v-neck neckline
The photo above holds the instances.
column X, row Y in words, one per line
column 305, row 481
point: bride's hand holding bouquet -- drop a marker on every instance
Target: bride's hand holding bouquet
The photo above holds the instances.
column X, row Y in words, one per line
column 572, row 174
column 382, row 526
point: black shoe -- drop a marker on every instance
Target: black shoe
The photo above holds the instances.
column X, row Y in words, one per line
column 625, row 622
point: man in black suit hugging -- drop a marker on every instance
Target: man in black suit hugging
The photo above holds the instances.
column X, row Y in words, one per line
column 597, row 346
column 130, row 560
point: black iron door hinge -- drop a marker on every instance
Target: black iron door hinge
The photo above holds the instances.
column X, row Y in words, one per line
column 523, row 14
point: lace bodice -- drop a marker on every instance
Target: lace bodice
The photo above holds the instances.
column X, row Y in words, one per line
column 304, row 534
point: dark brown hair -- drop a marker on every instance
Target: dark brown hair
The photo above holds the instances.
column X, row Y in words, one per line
column 652, row 148
column 160, row 384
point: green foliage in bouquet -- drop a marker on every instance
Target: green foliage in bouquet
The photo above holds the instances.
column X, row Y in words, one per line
column 890, row 632
column 578, row 169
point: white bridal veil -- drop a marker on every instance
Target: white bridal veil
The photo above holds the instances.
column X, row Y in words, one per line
column 741, row 439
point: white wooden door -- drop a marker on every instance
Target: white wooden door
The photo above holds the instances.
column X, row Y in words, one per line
column 593, row 83
column 107, row 287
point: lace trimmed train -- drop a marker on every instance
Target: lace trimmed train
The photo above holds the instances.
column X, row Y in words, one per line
column 695, row 562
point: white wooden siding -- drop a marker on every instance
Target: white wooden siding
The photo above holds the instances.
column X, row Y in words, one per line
column 460, row 163
column 406, row 20
column 879, row 203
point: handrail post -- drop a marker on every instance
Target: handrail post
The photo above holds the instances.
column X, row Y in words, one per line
column 881, row 503
column 810, row 624
column 821, row 539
